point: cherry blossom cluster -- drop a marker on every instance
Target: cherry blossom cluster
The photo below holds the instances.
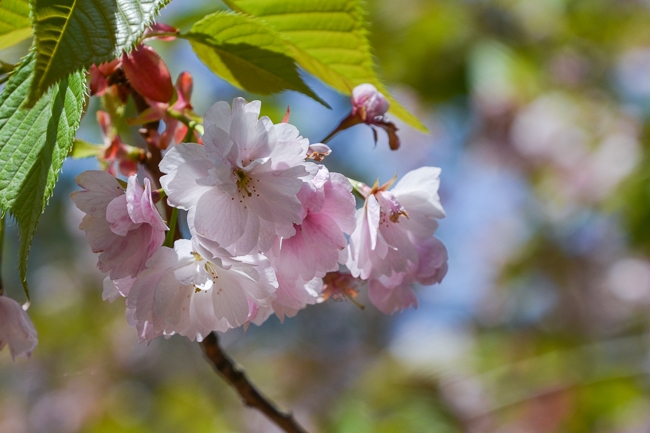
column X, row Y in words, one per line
column 269, row 230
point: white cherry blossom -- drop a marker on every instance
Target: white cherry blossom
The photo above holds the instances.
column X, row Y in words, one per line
column 240, row 187
column 189, row 291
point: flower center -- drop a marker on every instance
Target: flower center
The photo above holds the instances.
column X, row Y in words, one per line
column 212, row 270
column 243, row 182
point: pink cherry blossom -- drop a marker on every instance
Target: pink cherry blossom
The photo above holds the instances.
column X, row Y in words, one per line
column 124, row 226
column 392, row 223
column 16, row 329
column 113, row 289
column 395, row 293
column 241, row 187
column 290, row 297
column 301, row 260
column 189, row 291
column 328, row 214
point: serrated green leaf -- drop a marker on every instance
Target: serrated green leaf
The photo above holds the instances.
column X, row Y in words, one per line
column 328, row 39
column 15, row 25
column 73, row 34
column 83, row 149
column 33, row 144
column 247, row 53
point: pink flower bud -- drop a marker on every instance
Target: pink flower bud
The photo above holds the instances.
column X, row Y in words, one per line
column 148, row 74
column 318, row 151
column 16, row 329
column 368, row 103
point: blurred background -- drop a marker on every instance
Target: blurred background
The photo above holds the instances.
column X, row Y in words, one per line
column 539, row 115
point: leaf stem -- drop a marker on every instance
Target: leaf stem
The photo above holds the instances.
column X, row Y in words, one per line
column 191, row 124
column 346, row 123
column 250, row 396
column 169, row 239
column 163, row 35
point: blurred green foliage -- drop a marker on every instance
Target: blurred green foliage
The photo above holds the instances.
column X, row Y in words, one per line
column 559, row 338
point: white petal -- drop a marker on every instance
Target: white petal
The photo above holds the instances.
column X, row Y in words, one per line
column 220, row 218
column 181, row 153
column 181, row 185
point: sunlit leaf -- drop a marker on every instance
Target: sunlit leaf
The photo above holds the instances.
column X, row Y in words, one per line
column 247, row 53
column 33, row 144
column 15, row 25
column 73, row 34
column 328, row 39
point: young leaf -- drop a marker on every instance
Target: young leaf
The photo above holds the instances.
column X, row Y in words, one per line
column 83, row 149
column 328, row 39
column 33, row 144
column 247, row 53
column 15, row 25
column 74, row 34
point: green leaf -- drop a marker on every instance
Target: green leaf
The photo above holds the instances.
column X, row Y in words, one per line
column 247, row 53
column 33, row 144
column 15, row 25
column 328, row 39
column 73, row 34
column 83, row 149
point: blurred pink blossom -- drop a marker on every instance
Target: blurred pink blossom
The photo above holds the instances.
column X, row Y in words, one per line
column 16, row 329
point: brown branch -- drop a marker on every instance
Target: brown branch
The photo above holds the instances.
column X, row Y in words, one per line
column 250, row 396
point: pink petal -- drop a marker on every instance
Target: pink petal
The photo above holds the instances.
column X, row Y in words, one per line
column 16, row 329
column 392, row 295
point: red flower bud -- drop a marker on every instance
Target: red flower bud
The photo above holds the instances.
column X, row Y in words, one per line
column 148, row 74
column 99, row 75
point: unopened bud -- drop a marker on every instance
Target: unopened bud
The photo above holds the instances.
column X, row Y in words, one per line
column 148, row 74
column 318, row 151
column 368, row 103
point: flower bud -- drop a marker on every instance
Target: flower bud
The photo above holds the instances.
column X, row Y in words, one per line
column 318, row 151
column 99, row 75
column 368, row 103
column 148, row 74
column 16, row 329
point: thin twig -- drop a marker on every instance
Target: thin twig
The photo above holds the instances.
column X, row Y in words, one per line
column 250, row 396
